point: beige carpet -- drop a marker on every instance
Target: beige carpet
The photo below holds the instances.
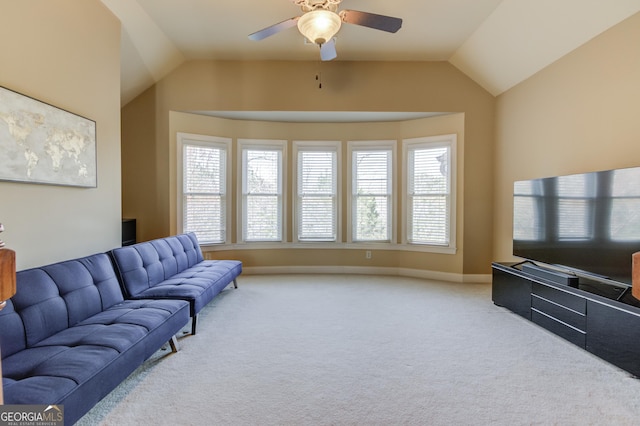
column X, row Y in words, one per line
column 362, row 350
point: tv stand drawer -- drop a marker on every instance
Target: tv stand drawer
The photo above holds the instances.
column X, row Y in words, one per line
column 572, row 334
column 568, row 300
column 561, row 313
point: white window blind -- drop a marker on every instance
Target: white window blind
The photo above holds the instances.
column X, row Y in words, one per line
column 204, row 192
column 429, row 193
column 317, row 195
column 371, row 195
column 262, row 194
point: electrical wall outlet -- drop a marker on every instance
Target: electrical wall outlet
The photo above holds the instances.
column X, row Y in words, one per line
column 367, row 254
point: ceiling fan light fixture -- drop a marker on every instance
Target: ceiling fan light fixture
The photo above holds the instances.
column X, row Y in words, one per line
column 319, row 26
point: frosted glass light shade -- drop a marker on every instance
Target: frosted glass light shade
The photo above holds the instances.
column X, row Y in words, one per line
column 319, row 26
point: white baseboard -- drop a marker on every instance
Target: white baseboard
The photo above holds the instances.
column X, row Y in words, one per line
column 369, row 270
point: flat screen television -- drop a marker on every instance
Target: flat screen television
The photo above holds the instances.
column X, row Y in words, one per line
column 585, row 223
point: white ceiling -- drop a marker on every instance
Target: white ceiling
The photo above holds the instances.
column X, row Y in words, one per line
column 497, row 43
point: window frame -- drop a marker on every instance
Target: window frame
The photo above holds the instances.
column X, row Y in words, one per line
column 183, row 139
column 372, row 145
column 317, row 146
column 431, row 142
column 263, row 145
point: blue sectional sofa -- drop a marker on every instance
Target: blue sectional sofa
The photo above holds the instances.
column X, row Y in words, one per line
column 173, row 268
column 69, row 337
column 76, row 329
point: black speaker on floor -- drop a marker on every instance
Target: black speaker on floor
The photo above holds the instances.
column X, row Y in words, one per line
column 128, row 232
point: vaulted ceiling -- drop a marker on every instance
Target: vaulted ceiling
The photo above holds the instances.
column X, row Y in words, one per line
column 497, row 43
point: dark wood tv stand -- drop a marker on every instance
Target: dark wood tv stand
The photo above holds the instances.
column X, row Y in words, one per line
column 600, row 317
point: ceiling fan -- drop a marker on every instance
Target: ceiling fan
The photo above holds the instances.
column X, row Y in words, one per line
column 321, row 21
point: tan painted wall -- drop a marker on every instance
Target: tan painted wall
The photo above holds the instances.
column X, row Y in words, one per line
column 65, row 53
column 140, row 198
column 291, row 86
column 579, row 114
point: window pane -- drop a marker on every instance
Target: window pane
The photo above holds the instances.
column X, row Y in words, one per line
column 430, row 174
column 205, row 215
column 372, row 172
column 430, row 224
column 371, row 195
column 429, row 194
column 262, row 198
column 317, row 209
column 263, row 218
column 317, row 218
column 262, row 172
column 372, row 218
column 204, row 169
column 204, row 192
column 316, row 172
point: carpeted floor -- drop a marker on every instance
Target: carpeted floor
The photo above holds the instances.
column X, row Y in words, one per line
column 363, row 350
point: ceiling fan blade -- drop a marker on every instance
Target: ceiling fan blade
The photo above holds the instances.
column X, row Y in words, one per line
column 276, row 28
column 328, row 50
column 371, row 20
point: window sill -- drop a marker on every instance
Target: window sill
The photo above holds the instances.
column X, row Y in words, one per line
column 330, row 246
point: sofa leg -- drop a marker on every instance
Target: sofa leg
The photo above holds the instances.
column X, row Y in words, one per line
column 174, row 344
column 194, row 322
column 235, row 283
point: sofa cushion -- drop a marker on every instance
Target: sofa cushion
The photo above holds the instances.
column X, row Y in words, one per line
column 147, row 264
column 38, row 302
column 199, row 284
column 13, row 337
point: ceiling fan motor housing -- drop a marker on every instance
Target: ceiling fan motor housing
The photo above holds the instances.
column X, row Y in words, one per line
column 310, row 5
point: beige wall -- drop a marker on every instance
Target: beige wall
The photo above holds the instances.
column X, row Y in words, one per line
column 140, row 198
column 291, row 86
column 579, row 114
column 65, row 53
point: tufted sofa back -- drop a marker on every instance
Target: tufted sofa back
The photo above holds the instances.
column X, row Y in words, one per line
column 52, row 298
column 146, row 264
